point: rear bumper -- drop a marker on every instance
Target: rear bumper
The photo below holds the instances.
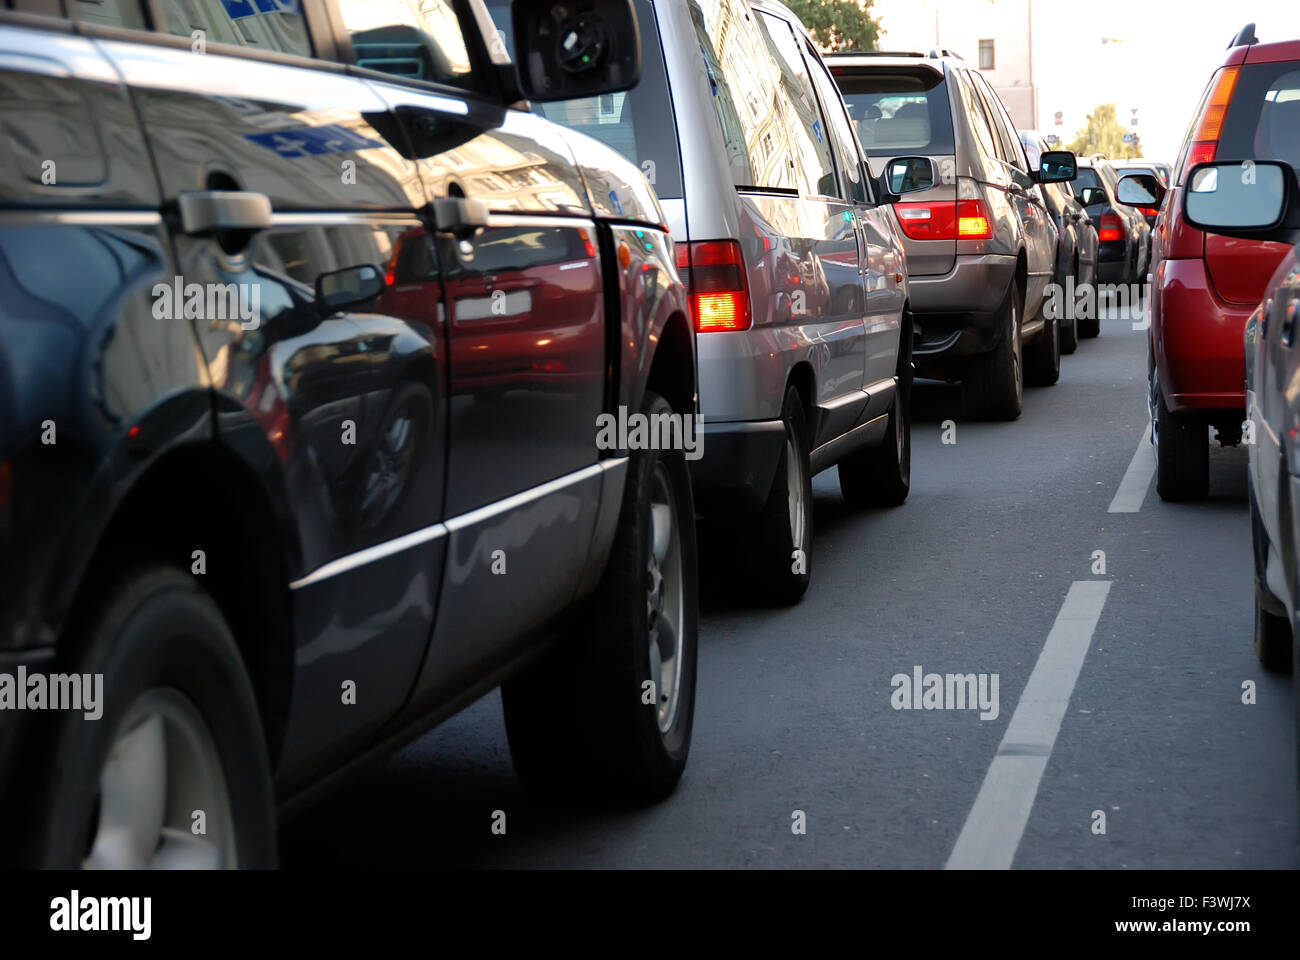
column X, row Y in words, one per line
column 734, row 475
column 1197, row 337
column 957, row 313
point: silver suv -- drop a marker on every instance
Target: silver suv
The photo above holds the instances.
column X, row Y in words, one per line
column 793, row 263
column 981, row 244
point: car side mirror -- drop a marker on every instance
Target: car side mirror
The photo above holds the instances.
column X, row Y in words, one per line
column 568, row 50
column 1090, row 195
column 905, row 175
column 1139, row 190
column 1251, row 200
column 350, row 287
column 1056, row 166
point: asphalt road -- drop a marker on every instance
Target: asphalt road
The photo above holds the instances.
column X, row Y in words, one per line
column 794, row 707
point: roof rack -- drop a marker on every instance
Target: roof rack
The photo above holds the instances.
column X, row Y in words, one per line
column 873, row 53
column 1245, row 37
column 938, row 53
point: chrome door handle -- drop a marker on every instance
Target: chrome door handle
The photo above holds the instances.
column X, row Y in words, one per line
column 204, row 212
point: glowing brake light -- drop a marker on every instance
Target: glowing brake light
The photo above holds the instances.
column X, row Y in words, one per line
column 1205, row 141
column 944, row 220
column 1110, row 227
column 972, row 220
column 714, row 274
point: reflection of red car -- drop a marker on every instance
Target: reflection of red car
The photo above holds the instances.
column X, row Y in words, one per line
column 520, row 307
column 1205, row 287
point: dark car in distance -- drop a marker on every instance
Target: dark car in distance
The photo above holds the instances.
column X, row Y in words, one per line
column 304, row 344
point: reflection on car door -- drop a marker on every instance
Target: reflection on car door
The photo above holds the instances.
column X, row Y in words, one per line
column 526, row 351
column 350, row 405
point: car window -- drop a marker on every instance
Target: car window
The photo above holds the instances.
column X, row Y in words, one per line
column 1033, row 152
column 1086, row 177
column 979, row 120
column 1009, row 148
column 412, row 39
column 638, row 123
column 767, row 144
column 109, row 13
column 802, row 99
column 274, row 25
column 1263, row 119
column 846, row 150
column 895, row 112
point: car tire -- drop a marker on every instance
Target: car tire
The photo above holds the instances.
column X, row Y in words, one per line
column 591, row 719
column 1272, row 637
column 780, row 542
column 180, row 732
column 1043, row 355
column 993, row 386
column 882, row 476
column 1182, row 455
column 1069, row 325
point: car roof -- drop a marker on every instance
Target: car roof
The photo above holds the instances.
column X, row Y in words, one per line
column 886, row 60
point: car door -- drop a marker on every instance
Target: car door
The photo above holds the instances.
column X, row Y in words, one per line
column 824, row 293
column 880, row 256
column 525, row 336
column 282, row 179
column 93, row 384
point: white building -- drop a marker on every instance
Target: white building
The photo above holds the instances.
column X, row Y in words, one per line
column 994, row 35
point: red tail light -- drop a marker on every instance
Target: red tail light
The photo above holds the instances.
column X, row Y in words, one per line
column 1205, row 141
column 714, row 274
column 1111, row 226
column 1149, row 211
column 944, row 220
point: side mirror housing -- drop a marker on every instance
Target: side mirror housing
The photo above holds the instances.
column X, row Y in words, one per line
column 1139, row 190
column 1250, row 200
column 350, row 287
column 1056, row 166
column 568, row 50
column 1090, row 195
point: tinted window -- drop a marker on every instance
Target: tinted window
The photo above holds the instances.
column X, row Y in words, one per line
column 639, row 123
column 768, row 143
column 413, row 39
column 799, row 91
column 1086, row 177
column 1263, row 120
column 979, row 120
column 275, row 25
column 896, row 112
column 1009, row 148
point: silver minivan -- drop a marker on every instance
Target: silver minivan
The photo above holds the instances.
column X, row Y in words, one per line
column 794, row 266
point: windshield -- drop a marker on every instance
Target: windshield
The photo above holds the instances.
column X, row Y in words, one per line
column 895, row 112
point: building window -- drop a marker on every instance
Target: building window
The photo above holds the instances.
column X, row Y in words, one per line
column 986, row 54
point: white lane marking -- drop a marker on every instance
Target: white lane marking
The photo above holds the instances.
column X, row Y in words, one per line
column 1137, row 478
column 992, row 832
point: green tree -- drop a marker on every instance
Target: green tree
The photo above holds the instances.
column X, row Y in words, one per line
column 838, row 25
column 1103, row 134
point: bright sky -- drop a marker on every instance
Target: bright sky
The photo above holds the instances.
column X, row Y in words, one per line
column 1166, row 52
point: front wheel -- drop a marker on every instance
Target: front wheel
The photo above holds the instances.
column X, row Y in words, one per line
column 1272, row 637
column 608, row 712
column 1182, row 455
column 882, row 476
column 993, row 387
column 1069, row 325
column 781, row 538
column 175, row 773
column 1043, row 358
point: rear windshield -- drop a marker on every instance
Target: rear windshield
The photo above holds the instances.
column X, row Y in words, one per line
column 895, row 112
column 638, row 123
column 1263, row 121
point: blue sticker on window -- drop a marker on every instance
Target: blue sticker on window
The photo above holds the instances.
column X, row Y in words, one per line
column 817, row 129
column 618, row 204
column 312, row 141
column 242, row 9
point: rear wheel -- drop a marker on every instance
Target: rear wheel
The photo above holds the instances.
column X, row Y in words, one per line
column 781, row 538
column 607, row 713
column 993, row 387
column 175, row 773
column 1043, row 356
column 1272, row 636
column 1069, row 325
column 882, row 476
column 1182, row 455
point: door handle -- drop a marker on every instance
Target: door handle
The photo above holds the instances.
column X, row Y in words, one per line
column 205, row 212
column 459, row 216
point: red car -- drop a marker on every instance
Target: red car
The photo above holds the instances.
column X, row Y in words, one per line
column 1204, row 286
